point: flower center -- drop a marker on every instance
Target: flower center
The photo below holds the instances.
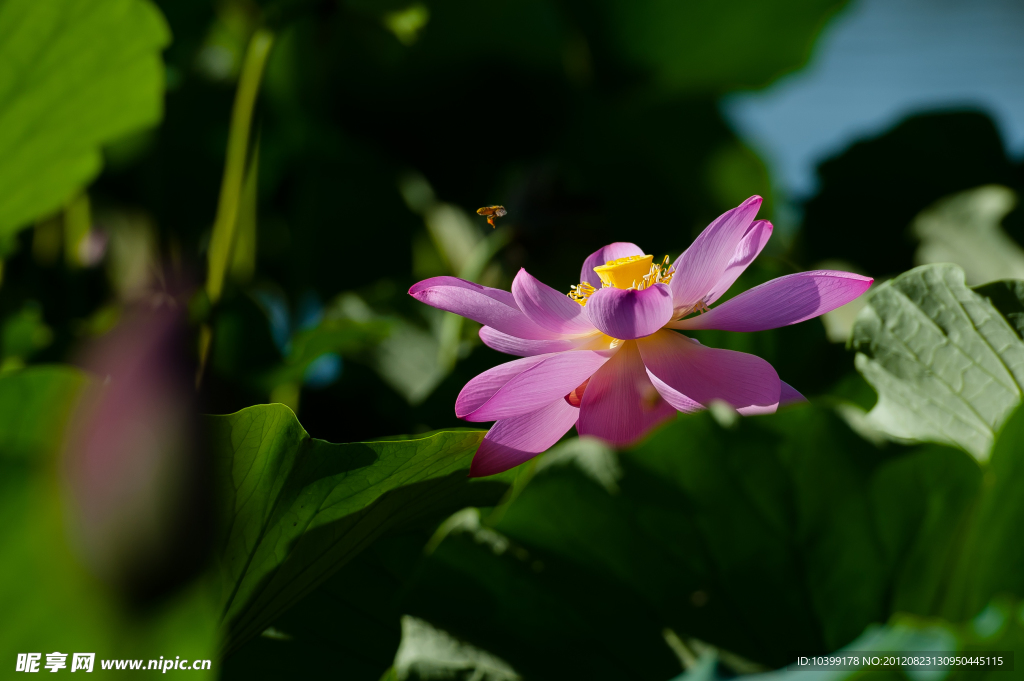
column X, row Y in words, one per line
column 632, row 272
column 624, row 272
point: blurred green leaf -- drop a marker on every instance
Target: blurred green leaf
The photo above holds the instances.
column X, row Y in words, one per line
column 74, row 75
column 407, row 23
column 966, row 229
column 410, row 359
column 50, row 603
column 698, row 46
column 300, row 508
column 452, row 35
column 344, row 336
column 894, row 177
column 734, row 173
column 333, row 335
column 429, row 653
column 34, row 406
column 77, row 224
column 23, row 334
column 947, row 366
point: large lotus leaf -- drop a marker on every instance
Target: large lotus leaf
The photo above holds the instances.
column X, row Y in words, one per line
column 785, row 533
column 920, row 503
column 1008, row 297
column 947, row 366
column 74, row 76
column 991, row 560
column 541, row 613
column 49, row 601
column 559, row 622
column 300, row 508
column 351, row 626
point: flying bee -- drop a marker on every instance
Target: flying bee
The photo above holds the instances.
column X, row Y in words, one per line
column 492, row 212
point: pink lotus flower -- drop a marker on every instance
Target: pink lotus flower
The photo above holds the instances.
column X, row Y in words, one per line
column 605, row 357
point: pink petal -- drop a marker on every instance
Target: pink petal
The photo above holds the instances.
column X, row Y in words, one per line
column 620, row 404
column 678, row 400
column 703, row 374
column 790, row 394
column 512, row 441
column 483, row 386
column 489, row 306
column 552, row 377
column 628, row 313
column 780, row 302
column 502, row 342
column 549, row 308
column 619, row 249
column 704, row 263
column 750, row 246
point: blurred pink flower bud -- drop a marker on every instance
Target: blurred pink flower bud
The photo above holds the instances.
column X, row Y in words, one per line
column 139, row 477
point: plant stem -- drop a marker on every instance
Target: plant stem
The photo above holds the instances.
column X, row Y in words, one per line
column 223, row 238
column 234, row 165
